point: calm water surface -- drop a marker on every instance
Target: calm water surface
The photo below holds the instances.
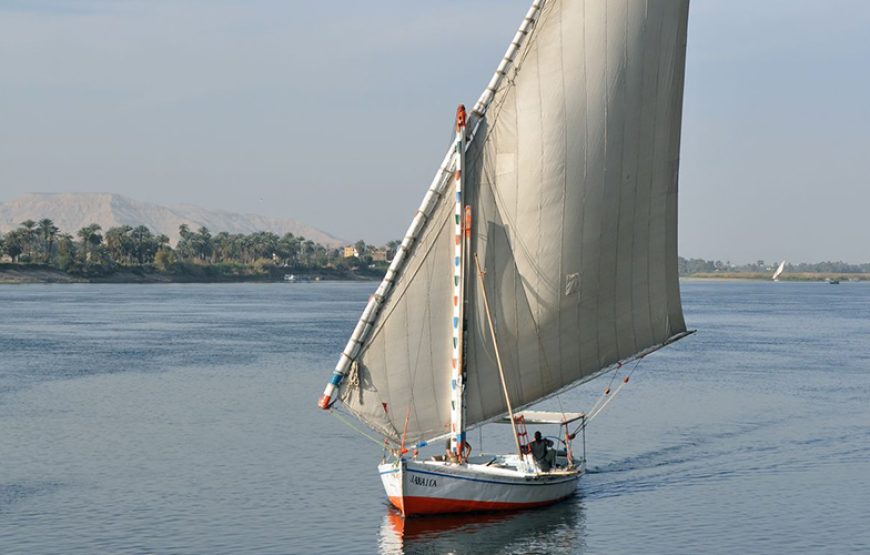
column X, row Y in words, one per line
column 181, row 419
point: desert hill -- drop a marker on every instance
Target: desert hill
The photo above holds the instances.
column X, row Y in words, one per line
column 72, row 211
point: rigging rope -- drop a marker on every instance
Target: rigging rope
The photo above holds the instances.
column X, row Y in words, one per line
column 608, row 395
column 336, row 413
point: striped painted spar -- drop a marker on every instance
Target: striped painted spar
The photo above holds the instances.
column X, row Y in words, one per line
column 484, row 483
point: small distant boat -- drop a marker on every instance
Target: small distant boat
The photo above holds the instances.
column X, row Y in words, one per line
column 778, row 271
column 833, row 281
column 290, row 278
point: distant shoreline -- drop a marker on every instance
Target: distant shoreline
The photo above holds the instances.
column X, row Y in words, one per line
column 17, row 274
column 13, row 274
column 794, row 277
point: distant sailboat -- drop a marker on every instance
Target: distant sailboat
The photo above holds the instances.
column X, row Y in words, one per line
column 778, row 271
column 544, row 254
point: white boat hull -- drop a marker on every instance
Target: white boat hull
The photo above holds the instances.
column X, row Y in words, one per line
column 437, row 487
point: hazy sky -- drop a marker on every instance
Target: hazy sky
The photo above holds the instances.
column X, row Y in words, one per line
column 337, row 112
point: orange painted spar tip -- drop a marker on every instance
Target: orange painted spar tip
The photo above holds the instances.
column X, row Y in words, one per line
column 607, row 391
column 323, row 402
column 467, row 221
column 460, row 116
column 403, row 450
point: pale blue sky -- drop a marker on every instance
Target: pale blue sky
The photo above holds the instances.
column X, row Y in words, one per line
column 336, row 113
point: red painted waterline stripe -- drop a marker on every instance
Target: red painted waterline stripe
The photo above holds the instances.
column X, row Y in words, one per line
column 410, row 505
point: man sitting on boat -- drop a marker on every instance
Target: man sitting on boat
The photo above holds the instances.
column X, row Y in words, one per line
column 543, row 455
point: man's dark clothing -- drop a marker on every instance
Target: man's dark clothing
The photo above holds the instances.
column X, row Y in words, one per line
column 543, row 456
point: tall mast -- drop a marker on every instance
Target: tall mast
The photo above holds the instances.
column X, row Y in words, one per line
column 457, row 376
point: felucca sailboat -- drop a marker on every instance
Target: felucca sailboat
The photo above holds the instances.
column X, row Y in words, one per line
column 779, row 271
column 544, row 253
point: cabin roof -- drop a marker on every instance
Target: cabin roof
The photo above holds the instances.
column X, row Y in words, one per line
column 544, row 417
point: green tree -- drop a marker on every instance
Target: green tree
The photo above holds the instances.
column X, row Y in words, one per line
column 14, row 244
column 120, row 244
column 288, row 249
column 202, row 244
column 144, row 244
column 91, row 238
column 164, row 258
column 185, row 246
column 66, row 251
column 392, row 248
column 223, row 246
column 307, row 251
column 28, row 237
column 48, row 231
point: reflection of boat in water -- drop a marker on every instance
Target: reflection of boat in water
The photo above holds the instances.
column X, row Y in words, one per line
column 549, row 529
column 543, row 255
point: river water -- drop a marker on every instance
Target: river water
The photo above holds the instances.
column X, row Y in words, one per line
column 181, row 419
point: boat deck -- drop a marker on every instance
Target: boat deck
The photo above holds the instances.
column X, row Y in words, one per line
column 507, row 466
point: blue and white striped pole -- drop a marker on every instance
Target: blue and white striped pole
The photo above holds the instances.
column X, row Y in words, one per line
column 457, row 424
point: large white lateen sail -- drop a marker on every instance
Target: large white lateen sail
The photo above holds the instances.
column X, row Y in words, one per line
column 571, row 179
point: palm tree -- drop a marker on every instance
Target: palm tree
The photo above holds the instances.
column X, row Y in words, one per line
column 119, row 243
column 185, row 247
column 65, row 250
column 28, row 235
column 222, row 246
column 143, row 243
column 288, row 248
column 308, row 250
column 90, row 236
column 49, row 232
column 203, row 243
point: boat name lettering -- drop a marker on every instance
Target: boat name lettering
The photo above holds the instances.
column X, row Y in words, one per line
column 428, row 482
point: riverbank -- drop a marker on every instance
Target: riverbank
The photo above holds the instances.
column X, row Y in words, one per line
column 763, row 276
column 11, row 274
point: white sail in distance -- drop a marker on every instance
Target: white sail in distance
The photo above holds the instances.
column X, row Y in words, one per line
column 778, row 271
column 572, row 181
